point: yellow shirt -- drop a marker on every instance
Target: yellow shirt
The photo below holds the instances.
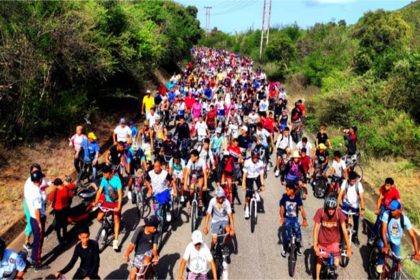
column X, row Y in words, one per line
column 148, row 102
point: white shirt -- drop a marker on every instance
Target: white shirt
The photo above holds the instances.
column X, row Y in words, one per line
column 264, row 105
column 201, row 129
column 253, row 118
column 253, row 170
column 308, row 147
column 338, row 167
column 159, row 181
column 198, row 260
column 123, row 133
column 33, row 197
column 152, row 118
column 351, row 197
column 284, row 142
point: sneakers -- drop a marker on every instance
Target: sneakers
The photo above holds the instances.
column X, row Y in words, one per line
column 283, row 253
column 130, row 196
column 247, row 213
column 168, row 217
column 277, row 173
column 379, row 268
column 182, row 199
column 115, row 244
column 225, row 250
column 298, row 251
column 355, row 240
column 27, row 247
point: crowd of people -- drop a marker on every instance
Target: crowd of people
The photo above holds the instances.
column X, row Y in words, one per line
column 213, row 127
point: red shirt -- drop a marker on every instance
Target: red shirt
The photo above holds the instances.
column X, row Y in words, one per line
column 388, row 196
column 234, row 151
column 211, row 118
column 61, row 198
column 306, row 162
column 189, row 101
column 268, row 124
column 329, row 232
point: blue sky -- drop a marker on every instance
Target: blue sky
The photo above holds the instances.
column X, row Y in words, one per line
column 240, row 15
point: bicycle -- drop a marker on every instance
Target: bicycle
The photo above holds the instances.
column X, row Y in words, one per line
column 144, row 271
column 328, row 269
column 334, row 186
column 344, row 259
column 162, row 211
column 140, row 194
column 194, row 205
column 352, row 164
column 292, row 254
column 253, row 206
column 106, row 230
column 320, row 185
column 392, row 268
column 85, row 175
column 220, row 254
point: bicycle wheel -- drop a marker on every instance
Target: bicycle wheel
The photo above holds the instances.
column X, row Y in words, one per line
column 175, row 208
column 396, row 275
column 161, row 227
column 373, row 257
column 140, row 204
column 219, row 267
column 194, row 216
column 358, row 170
column 344, row 259
column 102, row 237
column 292, row 259
column 253, row 215
column 319, row 191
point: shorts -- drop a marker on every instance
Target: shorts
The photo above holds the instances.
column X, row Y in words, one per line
column 322, row 168
column 215, row 226
column 197, row 276
column 138, row 259
column 281, row 152
column 250, row 186
column 331, row 248
column 107, row 204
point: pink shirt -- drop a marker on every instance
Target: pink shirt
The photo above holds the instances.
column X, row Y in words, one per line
column 76, row 141
column 196, row 109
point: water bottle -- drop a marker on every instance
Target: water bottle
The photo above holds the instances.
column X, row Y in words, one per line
column 331, row 260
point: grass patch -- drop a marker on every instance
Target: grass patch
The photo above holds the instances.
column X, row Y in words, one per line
column 370, row 216
column 409, row 266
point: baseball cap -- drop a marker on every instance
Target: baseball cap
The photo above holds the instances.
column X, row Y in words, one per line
column 197, row 237
column 322, row 146
column 122, row 121
column 220, row 192
column 36, row 176
column 394, row 205
column 244, row 128
column 57, row 182
column 92, row 136
column 148, row 91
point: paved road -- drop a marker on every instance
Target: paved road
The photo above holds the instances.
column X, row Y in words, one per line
column 257, row 255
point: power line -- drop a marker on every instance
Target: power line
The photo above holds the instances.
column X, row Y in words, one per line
column 236, row 7
column 262, row 29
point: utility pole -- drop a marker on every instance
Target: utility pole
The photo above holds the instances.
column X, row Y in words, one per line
column 208, row 9
column 262, row 29
column 268, row 25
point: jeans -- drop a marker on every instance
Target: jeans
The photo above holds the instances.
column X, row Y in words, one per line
column 377, row 226
column 394, row 248
column 38, row 240
column 290, row 226
column 346, row 208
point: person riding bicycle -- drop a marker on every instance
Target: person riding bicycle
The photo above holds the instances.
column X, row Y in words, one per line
column 233, row 123
column 144, row 243
column 12, row 264
column 206, row 155
column 284, row 145
column 329, row 222
column 122, row 133
column 283, row 121
column 117, row 156
column 159, row 184
column 244, row 141
column 338, row 171
column 211, row 118
column 387, row 193
column 290, row 205
column 75, row 141
column 159, row 134
column 216, row 142
column 144, row 137
column 110, row 195
column 183, row 131
column 90, row 150
column 304, row 143
column 168, row 147
column 322, row 158
column 176, row 170
column 220, row 212
column 393, row 225
column 351, row 139
column 351, row 198
column 294, row 173
column 198, row 259
column 196, row 176
column 306, row 162
column 253, row 172
column 266, row 140
column 201, row 129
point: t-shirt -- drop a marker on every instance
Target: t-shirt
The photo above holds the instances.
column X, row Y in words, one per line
column 33, row 198
column 243, row 141
column 90, row 150
column 198, row 260
column 291, row 205
column 159, row 182
column 389, row 196
column 152, row 119
column 263, row 105
column 77, row 140
column 111, row 188
column 197, row 168
column 339, row 167
column 219, row 214
column 329, row 231
column 10, row 263
column 351, row 197
column 322, row 156
column 89, row 259
column 61, row 198
column 301, row 145
column 123, row 133
column 143, row 242
column 149, row 102
column 253, row 170
column 264, row 135
column 115, row 155
column 201, row 129
column 322, row 138
column 284, row 142
column 394, row 232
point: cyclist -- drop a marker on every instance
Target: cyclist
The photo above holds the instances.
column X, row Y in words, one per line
column 211, row 118
column 244, row 141
column 253, row 119
column 329, row 221
column 145, row 245
column 145, row 137
column 290, row 205
column 183, row 131
column 206, row 155
column 90, row 152
column 137, row 159
column 110, row 195
column 220, row 212
column 168, row 147
column 283, row 121
column 351, row 198
column 306, row 162
column 201, row 129
column 12, row 264
column 253, row 172
column 304, row 143
column 158, row 183
column 284, row 145
column 322, row 138
column 159, row 133
column 294, row 172
column 393, row 225
column 338, row 171
column 122, row 133
column 266, row 139
column 88, row 252
column 176, row 170
column 117, row 156
column 351, row 138
column 321, row 160
column 296, row 116
column 198, row 259
column 233, row 121
column 196, row 176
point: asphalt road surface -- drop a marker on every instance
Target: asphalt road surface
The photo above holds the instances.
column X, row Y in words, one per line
column 253, row 255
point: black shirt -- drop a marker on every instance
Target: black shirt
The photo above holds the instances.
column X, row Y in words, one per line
column 243, row 141
column 89, row 260
column 168, row 147
column 322, row 157
column 183, row 131
column 115, row 156
column 322, row 138
column 144, row 242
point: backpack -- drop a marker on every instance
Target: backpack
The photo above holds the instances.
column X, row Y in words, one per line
column 357, row 187
column 401, row 220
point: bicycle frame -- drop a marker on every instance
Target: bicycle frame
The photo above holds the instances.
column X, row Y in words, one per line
column 392, row 265
column 142, row 270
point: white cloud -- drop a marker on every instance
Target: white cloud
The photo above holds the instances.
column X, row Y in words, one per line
column 328, row 2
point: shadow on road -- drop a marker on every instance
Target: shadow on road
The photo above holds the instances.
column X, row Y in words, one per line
column 309, row 261
column 121, row 273
column 129, row 221
column 166, row 265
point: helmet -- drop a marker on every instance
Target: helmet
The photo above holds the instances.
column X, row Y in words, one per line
column 2, row 246
column 220, row 192
column 36, row 176
column 151, row 221
column 92, row 136
column 330, row 202
column 255, row 153
column 322, row 146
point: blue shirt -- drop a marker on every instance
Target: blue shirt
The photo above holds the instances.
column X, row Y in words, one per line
column 394, row 232
column 10, row 263
column 111, row 188
column 134, row 132
column 171, row 96
column 139, row 153
column 291, row 205
column 90, row 149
